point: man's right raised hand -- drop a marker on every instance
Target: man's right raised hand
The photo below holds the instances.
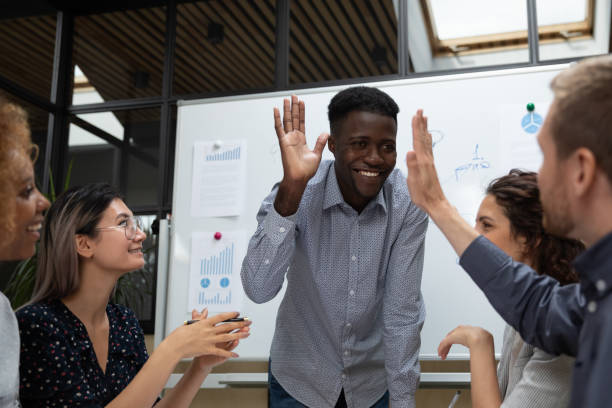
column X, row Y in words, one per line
column 299, row 162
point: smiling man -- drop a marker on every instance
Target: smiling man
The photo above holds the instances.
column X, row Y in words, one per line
column 351, row 243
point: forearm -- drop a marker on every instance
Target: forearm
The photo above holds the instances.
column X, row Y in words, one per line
column 456, row 230
column 186, row 389
column 288, row 198
column 270, row 251
column 545, row 314
column 484, row 385
column 146, row 386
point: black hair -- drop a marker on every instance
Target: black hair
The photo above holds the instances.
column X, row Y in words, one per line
column 359, row 98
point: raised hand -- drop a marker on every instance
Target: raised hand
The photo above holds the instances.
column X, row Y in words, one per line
column 208, row 361
column 423, row 183
column 299, row 162
column 472, row 337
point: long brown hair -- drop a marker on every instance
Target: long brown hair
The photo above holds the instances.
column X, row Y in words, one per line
column 76, row 211
column 518, row 195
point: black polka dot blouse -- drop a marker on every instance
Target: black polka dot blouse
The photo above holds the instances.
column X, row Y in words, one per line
column 58, row 366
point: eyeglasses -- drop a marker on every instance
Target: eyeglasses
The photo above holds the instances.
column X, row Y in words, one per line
column 130, row 226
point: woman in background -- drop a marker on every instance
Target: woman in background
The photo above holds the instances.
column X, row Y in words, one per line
column 77, row 349
column 510, row 216
column 21, row 214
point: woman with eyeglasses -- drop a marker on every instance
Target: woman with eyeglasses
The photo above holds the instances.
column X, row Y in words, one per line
column 21, row 214
column 77, row 349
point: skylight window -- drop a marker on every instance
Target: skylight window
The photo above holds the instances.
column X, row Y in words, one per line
column 484, row 25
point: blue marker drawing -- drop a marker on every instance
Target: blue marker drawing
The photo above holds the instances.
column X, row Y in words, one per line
column 436, row 136
column 477, row 163
column 205, row 283
column 224, row 282
column 531, row 122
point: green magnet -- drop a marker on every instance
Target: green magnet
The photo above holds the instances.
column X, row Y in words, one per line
column 530, row 107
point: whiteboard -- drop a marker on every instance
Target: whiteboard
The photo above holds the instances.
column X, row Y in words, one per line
column 474, row 119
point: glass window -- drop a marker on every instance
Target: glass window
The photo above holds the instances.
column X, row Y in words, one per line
column 573, row 28
column 446, row 35
column 120, row 148
column 119, row 55
column 27, row 46
column 224, row 46
column 342, row 39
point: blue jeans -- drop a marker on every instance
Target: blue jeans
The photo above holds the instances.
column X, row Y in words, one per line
column 279, row 398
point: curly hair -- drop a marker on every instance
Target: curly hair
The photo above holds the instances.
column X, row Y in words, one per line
column 359, row 98
column 518, row 195
column 15, row 148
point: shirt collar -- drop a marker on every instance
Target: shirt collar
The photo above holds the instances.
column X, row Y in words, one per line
column 333, row 195
column 594, row 264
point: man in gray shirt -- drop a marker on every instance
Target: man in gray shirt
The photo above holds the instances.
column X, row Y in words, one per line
column 351, row 243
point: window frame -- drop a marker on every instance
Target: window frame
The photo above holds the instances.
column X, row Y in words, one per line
column 505, row 41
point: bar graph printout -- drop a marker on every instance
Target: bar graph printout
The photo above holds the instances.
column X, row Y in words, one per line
column 219, row 174
column 215, row 271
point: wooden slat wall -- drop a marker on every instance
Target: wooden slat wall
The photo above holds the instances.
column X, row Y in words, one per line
column 243, row 60
column 329, row 39
column 334, row 39
column 26, row 52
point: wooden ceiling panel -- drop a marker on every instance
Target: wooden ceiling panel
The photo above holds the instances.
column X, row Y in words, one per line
column 341, row 39
column 26, row 47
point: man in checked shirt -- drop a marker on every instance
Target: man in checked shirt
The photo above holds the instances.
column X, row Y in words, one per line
column 351, row 242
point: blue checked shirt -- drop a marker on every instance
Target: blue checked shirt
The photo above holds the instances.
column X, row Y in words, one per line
column 353, row 311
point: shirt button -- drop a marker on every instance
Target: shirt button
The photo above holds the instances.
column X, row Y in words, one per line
column 282, row 229
column 592, row 306
column 348, row 325
column 344, row 376
column 353, row 258
column 346, row 352
column 352, row 292
column 267, row 261
column 600, row 285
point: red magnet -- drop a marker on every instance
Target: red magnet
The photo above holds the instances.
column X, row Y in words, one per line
column 217, row 236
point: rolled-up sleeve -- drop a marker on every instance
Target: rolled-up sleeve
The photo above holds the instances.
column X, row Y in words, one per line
column 269, row 254
column 404, row 310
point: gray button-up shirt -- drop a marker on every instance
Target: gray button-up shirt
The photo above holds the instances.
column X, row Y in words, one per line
column 573, row 319
column 352, row 312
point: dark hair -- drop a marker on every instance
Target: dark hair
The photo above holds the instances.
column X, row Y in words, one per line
column 518, row 195
column 359, row 98
column 76, row 211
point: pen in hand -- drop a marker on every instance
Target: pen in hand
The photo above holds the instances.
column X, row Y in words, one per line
column 234, row 319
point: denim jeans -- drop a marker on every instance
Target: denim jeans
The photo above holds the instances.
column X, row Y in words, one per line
column 279, row 398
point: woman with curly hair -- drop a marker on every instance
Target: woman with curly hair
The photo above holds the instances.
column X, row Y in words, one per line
column 21, row 215
column 510, row 216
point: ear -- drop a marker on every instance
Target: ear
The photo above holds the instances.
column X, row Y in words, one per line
column 84, row 246
column 583, row 170
column 331, row 144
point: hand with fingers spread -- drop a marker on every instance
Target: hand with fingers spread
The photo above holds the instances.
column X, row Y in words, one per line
column 208, row 337
column 208, row 361
column 475, row 338
column 423, row 183
column 299, row 162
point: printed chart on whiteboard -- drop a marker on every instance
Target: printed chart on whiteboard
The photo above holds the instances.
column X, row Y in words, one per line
column 219, row 173
column 216, row 259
